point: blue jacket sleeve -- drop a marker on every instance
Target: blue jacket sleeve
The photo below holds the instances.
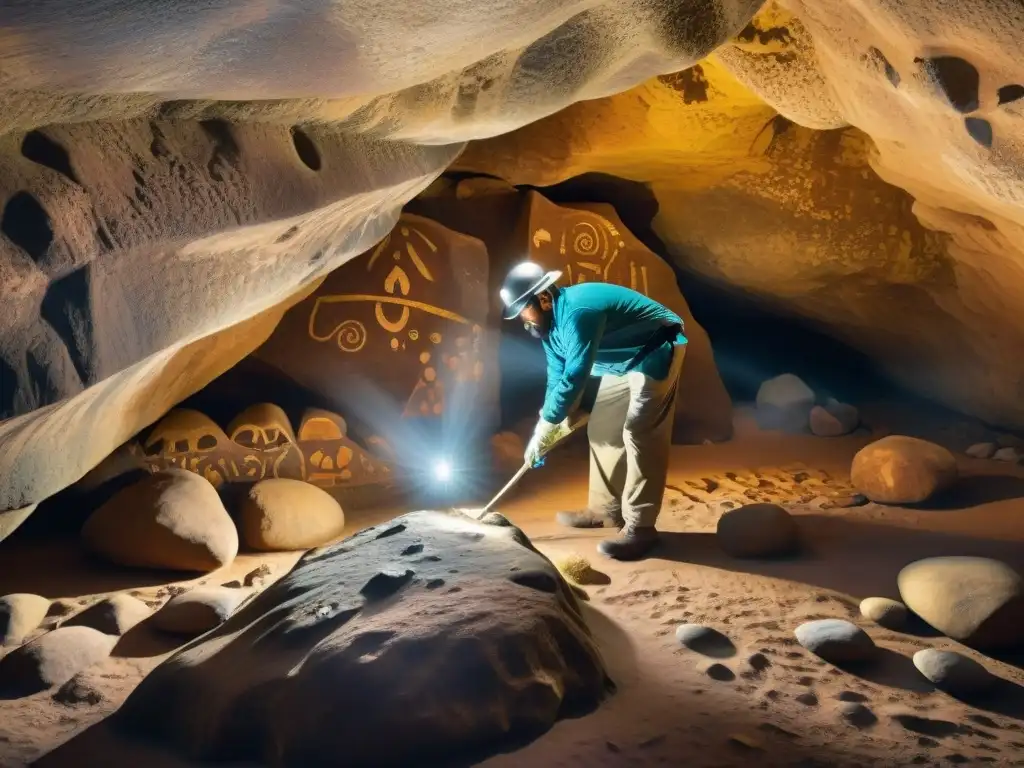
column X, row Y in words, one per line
column 567, row 379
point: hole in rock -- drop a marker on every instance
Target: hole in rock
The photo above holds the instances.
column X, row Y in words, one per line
column 1011, row 93
column 41, row 149
column 980, row 130
column 306, row 149
column 957, row 78
column 27, row 224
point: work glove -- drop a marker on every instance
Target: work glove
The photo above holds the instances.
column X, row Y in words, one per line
column 544, row 434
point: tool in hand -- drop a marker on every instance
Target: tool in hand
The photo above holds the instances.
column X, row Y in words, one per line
column 527, row 466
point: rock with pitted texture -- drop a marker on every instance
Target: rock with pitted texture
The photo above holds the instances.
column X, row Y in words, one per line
column 53, row 659
column 173, row 519
column 758, row 530
column 785, row 403
column 281, row 514
column 953, row 672
column 974, row 600
column 199, row 610
column 482, row 641
column 836, row 640
column 113, row 615
column 20, row 614
column 902, row 470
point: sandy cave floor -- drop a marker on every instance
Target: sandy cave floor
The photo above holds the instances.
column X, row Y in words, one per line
column 668, row 710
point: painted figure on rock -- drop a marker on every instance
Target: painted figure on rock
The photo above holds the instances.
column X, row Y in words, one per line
column 630, row 349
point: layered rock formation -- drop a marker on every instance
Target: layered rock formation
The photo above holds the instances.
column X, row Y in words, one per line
column 922, row 96
column 179, row 170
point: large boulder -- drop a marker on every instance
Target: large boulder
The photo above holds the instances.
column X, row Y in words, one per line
column 975, row 600
column 902, row 470
column 758, row 530
column 448, row 631
column 282, row 514
column 20, row 614
column 785, row 403
column 172, row 519
column 53, row 659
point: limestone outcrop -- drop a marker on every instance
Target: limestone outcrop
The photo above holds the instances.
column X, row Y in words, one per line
column 178, row 174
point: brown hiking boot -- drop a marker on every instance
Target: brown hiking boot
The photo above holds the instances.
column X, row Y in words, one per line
column 588, row 518
column 631, row 544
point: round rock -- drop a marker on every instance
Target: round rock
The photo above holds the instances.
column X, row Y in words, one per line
column 705, row 640
column 170, row 520
column 53, row 659
column 282, row 514
column 199, row 611
column 834, row 419
column 20, row 614
column 953, row 672
column 981, row 450
column 784, row 403
column 758, row 530
column 836, row 640
column 891, row 614
column 974, row 600
column 1008, row 455
column 114, row 616
column 902, row 470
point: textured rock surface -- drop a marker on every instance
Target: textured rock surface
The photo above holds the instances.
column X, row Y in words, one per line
column 758, row 530
column 836, row 640
column 20, row 614
column 902, row 470
column 289, row 514
column 185, row 184
column 452, row 632
column 813, row 228
column 53, row 659
column 114, row 615
column 953, row 672
column 974, row 600
column 199, row 610
column 173, row 519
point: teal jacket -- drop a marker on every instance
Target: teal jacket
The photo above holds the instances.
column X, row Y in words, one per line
column 598, row 329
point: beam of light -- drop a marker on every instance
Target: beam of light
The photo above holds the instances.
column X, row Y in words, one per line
column 443, row 470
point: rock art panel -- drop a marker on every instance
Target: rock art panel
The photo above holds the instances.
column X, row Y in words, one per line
column 401, row 326
column 262, row 445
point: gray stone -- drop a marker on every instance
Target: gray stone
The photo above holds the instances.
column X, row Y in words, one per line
column 891, row 614
column 953, row 672
column 1008, row 455
column 785, row 403
column 834, row 419
column 836, row 641
column 981, row 450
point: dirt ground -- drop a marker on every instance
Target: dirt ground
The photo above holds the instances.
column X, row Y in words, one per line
column 668, row 709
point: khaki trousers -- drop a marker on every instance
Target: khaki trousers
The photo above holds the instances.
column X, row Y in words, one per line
column 630, row 434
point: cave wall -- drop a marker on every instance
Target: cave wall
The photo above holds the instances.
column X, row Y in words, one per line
column 909, row 255
column 179, row 169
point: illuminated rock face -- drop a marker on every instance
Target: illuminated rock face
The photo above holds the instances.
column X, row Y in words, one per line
column 180, row 174
column 750, row 197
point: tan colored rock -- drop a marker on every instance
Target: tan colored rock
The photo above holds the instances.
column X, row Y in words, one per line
column 20, row 614
column 199, row 610
column 173, row 520
column 902, row 470
column 974, row 600
column 891, row 614
column 113, row 615
column 289, row 514
column 758, row 530
column 53, row 659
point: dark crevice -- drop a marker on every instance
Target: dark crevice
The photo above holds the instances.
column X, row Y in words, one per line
column 1011, row 93
column 41, row 149
column 66, row 307
column 225, row 148
column 890, row 71
column 288, row 235
column 980, row 130
column 958, row 80
column 27, row 224
column 8, row 389
column 44, row 390
column 306, row 149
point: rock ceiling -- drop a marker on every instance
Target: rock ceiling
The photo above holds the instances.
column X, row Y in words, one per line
column 182, row 172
